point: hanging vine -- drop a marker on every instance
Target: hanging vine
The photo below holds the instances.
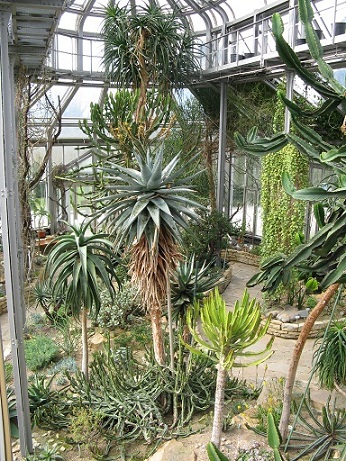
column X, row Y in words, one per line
column 283, row 217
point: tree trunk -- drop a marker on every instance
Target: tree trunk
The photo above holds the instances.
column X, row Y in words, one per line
column 219, row 405
column 159, row 351
column 85, row 353
column 170, row 323
column 297, row 351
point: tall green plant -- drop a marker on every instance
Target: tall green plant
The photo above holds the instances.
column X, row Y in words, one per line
column 145, row 208
column 225, row 336
column 324, row 256
column 78, row 264
column 147, row 46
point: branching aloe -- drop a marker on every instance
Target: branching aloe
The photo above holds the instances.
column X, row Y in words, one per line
column 226, row 336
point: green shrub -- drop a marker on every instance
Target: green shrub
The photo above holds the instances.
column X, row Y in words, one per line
column 118, row 312
column 39, row 352
column 206, row 237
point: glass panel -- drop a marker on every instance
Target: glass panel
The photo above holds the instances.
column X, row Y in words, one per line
column 79, row 107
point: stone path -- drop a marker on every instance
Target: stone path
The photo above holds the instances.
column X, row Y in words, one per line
column 277, row 365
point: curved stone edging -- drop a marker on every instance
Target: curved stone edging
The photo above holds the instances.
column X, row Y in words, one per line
column 292, row 330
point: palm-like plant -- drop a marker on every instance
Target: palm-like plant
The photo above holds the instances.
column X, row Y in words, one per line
column 147, row 45
column 227, row 335
column 78, row 263
column 145, row 209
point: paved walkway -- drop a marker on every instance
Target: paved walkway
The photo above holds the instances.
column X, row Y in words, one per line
column 277, row 365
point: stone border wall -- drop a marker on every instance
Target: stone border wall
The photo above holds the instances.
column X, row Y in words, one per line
column 244, row 257
column 292, row 330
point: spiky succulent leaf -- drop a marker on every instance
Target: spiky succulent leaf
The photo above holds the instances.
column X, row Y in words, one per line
column 140, row 202
column 228, row 333
column 77, row 264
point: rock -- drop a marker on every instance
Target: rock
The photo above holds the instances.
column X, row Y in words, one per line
column 173, row 450
column 96, row 341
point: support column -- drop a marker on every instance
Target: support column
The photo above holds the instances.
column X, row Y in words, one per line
column 11, row 236
column 222, row 149
column 289, row 95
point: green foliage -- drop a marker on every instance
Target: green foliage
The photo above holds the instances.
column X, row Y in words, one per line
column 40, row 351
column 46, row 453
column 78, row 263
column 119, row 311
column 261, row 414
column 137, row 202
column 330, row 356
column 48, row 407
column 323, row 257
column 12, row 411
column 115, row 124
column 274, row 437
column 319, row 436
column 147, row 43
column 43, row 295
column 191, row 282
column 8, row 371
column 135, row 397
column 283, row 218
column 69, row 337
column 86, row 428
column 214, row 454
column 227, row 334
column 206, row 237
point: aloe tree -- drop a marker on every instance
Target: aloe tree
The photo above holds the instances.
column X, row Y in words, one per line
column 324, row 256
column 78, row 264
column 226, row 335
column 146, row 46
column 145, row 208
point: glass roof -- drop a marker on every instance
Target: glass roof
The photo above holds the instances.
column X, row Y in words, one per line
column 202, row 15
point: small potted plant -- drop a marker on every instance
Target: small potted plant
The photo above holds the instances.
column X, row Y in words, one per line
column 39, row 210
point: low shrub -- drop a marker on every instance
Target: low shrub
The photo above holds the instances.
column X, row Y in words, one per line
column 118, row 311
column 40, row 351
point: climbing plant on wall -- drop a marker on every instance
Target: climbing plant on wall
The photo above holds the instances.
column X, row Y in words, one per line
column 282, row 216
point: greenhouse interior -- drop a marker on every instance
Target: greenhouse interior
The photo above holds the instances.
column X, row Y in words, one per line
column 172, row 211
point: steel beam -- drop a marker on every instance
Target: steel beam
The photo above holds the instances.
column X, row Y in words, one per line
column 11, row 237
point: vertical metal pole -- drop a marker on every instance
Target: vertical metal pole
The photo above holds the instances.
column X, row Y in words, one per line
column 11, row 235
column 289, row 95
column 222, row 148
column 289, row 74
column 5, row 433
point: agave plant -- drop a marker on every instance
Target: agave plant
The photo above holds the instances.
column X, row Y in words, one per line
column 145, row 209
column 78, row 264
column 224, row 336
column 42, row 293
column 191, row 282
column 319, row 436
